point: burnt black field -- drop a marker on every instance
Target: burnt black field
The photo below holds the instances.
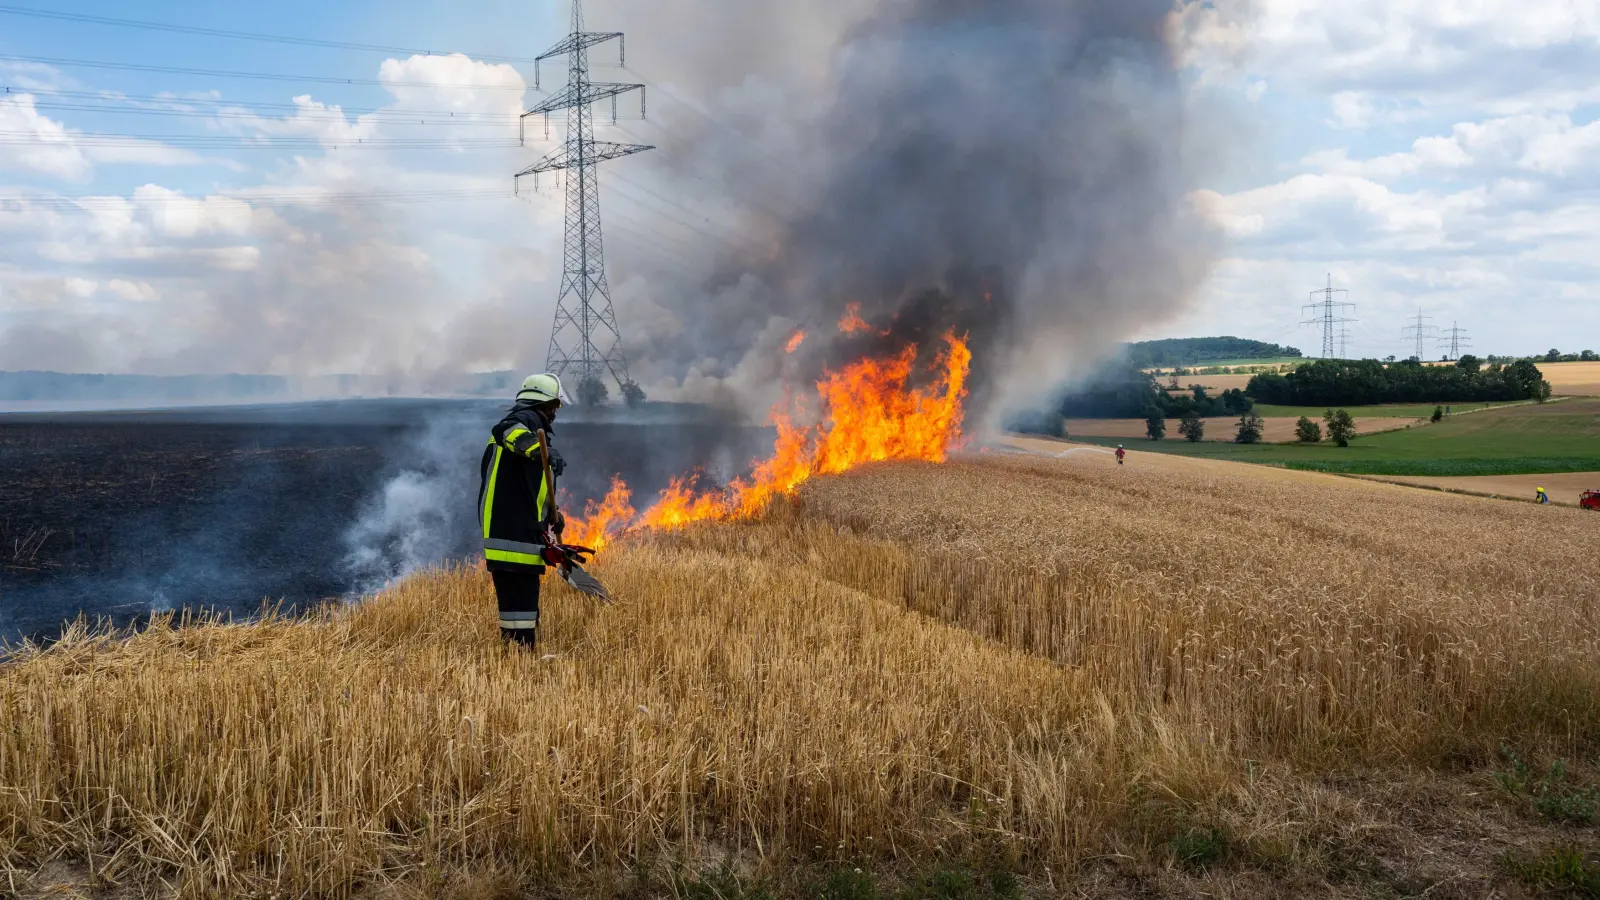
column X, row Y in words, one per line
column 115, row 515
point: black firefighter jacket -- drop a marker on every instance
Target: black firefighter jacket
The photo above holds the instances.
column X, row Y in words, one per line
column 514, row 502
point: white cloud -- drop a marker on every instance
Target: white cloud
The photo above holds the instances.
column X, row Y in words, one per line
column 35, row 143
column 299, row 272
column 1509, row 54
column 141, row 291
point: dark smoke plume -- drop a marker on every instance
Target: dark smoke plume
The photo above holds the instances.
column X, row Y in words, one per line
column 1015, row 169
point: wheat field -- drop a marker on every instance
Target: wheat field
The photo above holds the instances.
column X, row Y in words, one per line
column 1054, row 663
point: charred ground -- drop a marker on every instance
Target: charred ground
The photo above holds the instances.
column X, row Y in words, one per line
column 117, row 514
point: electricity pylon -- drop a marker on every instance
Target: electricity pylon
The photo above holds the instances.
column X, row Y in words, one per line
column 585, row 341
column 1419, row 330
column 1455, row 339
column 1329, row 315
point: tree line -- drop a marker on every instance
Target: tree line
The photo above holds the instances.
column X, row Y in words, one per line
column 1187, row 351
column 1335, row 382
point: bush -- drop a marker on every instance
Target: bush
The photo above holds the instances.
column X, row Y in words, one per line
column 1192, row 427
column 1237, row 402
column 1250, row 428
column 1438, row 413
column 633, row 395
column 1155, row 424
column 592, row 392
column 1307, row 431
column 1341, row 428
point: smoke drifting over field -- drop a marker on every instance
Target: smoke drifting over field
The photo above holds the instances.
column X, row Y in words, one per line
column 1013, row 168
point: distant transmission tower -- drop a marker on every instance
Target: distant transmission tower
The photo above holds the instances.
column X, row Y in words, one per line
column 1326, row 312
column 1344, row 342
column 585, row 341
column 1455, row 339
column 1419, row 330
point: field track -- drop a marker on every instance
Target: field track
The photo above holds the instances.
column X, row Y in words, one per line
column 1563, row 487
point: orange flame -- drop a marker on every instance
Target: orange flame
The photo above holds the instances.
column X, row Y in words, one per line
column 852, row 321
column 870, row 414
column 600, row 524
column 795, row 340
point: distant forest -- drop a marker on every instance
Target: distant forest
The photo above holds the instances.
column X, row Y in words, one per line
column 1189, row 351
column 60, row 387
column 1329, row 382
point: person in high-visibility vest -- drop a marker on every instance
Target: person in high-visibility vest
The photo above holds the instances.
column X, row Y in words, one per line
column 516, row 505
column 1541, row 496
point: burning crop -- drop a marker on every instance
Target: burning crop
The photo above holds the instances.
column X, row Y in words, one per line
column 872, row 410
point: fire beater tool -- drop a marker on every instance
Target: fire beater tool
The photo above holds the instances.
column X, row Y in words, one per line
column 567, row 558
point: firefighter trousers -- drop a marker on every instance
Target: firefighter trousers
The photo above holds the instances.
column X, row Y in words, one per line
column 518, row 596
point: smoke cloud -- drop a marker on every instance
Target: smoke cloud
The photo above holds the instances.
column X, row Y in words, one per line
column 1016, row 169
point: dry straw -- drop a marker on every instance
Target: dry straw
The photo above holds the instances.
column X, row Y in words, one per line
column 1043, row 659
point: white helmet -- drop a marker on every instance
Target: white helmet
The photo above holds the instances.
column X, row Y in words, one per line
column 542, row 389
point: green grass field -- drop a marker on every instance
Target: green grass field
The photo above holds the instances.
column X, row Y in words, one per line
column 1512, row 440
column 1386, row 410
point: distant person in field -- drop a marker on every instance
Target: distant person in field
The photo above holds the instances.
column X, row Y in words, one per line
column 1541, row 496
column 517, row 505
column 1121, row 453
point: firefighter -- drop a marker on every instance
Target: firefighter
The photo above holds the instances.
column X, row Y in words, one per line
column 1120, row 454
column 1540, row 496
column 516, row 506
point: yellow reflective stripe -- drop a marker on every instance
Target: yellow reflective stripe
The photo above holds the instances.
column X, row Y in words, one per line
column 513, row 434
column 544, row 496
column 488, row 492
column 507, row 556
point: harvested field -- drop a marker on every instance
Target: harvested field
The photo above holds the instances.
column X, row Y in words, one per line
column 1574, row 378
column 1214, row 383
column 1042, row 670
column 1279, row 429
column 1563, row 487
column 1580, row 379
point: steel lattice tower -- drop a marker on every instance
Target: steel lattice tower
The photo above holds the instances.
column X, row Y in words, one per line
column 1420, row 331
column 585, row 341
column 1456, row 340
column 1326, row 313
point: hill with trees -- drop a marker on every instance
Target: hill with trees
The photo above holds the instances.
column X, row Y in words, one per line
column 1188, row 351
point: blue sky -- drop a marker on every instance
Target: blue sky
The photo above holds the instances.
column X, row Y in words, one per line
column 1441, row 155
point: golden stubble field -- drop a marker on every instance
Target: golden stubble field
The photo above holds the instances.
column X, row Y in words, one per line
column 1047, row 662
column 1574, row 379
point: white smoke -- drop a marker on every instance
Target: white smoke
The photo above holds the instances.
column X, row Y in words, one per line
column 417, row 519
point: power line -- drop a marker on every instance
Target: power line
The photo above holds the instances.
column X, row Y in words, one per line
column 384, row 117
column 300, row 198
column 39, row 94
column 240, row 35
column 264, row 76
column 247, row 142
